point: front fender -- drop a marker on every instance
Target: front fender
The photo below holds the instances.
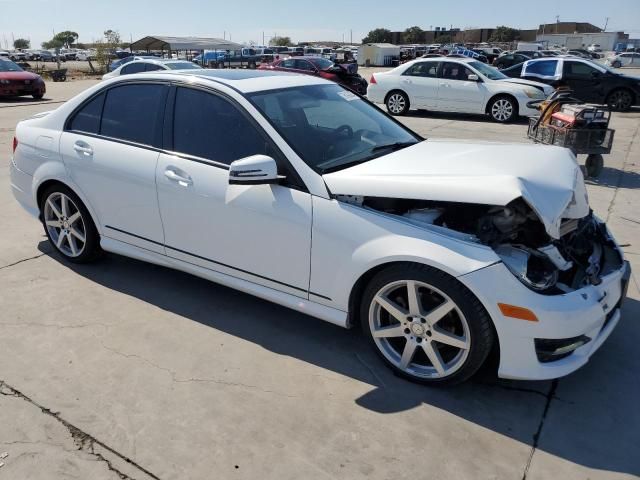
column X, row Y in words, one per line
column 349, row 241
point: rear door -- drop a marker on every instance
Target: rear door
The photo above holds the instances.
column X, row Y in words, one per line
column 420, row 81
column 110, row 148
column 456, row 93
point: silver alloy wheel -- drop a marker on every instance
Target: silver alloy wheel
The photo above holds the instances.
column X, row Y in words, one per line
column 396, row 103
column 502, row 109
column 65, row 225
column 419, row 329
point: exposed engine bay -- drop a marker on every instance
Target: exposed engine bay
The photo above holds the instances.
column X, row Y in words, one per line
column 582, row 255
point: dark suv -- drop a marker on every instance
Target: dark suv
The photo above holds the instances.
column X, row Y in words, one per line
column 590, row 82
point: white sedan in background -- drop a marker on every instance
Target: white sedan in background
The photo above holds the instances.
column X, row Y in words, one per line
column 294, row 189
column 450, row 84
column 150, row 65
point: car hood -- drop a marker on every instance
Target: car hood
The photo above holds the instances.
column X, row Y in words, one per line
column 18, row 76
column 547, row 178
column 530, row 83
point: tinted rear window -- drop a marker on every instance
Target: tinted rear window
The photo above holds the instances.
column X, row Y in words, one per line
column 131, row 113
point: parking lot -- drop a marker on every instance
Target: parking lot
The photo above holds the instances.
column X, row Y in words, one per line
column 123, row 369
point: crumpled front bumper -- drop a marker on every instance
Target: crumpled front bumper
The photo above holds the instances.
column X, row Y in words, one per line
column 593, row 311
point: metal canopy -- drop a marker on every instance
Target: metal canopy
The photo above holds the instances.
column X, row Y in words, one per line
column 183, row 43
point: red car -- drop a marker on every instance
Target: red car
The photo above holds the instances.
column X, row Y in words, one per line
column 321, row 67
column 15, row 82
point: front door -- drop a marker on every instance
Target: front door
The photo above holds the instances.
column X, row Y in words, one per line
column 110, row 149
column 260, row 233
column 457, row 93
column 584, row 80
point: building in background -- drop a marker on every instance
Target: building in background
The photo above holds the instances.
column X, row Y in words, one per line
column 606, row 40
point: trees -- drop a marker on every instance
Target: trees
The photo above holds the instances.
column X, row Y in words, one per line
column 21, row 44
column 63, row 39
column 280, row 41
column 413, row 35
column 504, row 34
column 378, row 35
column 105, row 48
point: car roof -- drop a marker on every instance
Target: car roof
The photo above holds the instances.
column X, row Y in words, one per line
column 243, row 81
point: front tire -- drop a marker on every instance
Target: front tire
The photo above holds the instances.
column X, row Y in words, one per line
column 426, row 326
column 69, row 226
column 616, row 64
column 503, row 109
column 620, row 100
column 397, row 103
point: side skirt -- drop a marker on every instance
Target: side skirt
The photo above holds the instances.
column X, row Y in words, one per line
column 328, row 314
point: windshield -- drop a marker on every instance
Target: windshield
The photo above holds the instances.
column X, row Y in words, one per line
column 182, row 66
column 9, row 66
column 330, row 127
column 490, row 72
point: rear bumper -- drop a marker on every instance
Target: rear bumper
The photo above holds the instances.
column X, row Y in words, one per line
column 592, row 311
column 21, row 187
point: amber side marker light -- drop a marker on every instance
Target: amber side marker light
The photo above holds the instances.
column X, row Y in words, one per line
column 520, row 313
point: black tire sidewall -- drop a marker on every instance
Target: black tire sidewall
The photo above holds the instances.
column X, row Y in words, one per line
column 92, row 248
column 480, row 325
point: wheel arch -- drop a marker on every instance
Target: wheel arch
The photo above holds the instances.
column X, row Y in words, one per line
column 398, row 90
column 48, row 182
column 358, row 289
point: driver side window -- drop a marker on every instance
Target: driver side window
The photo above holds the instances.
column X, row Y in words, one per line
column 455, row 71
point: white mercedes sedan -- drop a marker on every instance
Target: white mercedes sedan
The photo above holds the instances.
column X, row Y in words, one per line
column 296, row 190
column 459, row 85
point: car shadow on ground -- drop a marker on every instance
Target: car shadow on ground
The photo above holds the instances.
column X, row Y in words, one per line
column 615, row 178
column 510, row 408
column 21, row 100
column 468, row 117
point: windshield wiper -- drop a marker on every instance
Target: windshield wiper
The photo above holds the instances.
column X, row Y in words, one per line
column 393, row 146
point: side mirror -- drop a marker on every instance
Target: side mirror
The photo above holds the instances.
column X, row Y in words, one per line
column 254, row 170
column 595, row 74
column 473, row 77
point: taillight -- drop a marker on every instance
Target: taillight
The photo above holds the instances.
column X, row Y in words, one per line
column 15, row 144
column 373, row 80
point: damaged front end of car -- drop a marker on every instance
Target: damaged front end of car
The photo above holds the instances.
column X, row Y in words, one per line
column 581, row 255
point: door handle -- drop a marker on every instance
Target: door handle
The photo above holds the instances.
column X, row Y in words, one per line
column 406, row 81
column 83, row 148
column 182, row 180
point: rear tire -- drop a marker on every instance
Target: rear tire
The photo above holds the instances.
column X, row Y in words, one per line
column 38, row 96
column 620, row 100
column 397, row 103
column 616, row 64
column 252, row 65
column 69, row 226
column 438, row 335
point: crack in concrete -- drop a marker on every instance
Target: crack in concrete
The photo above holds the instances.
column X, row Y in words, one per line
column 176, row 379
column 621, row 175
column 22, row 261
column 536, row 436
column 84, row 441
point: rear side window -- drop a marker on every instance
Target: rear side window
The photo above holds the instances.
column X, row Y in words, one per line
column 209, row 126
column 135, row 67
column 423, row 69
column 152, row 67
column 543, row 69
column 87, row 119
column 288, row 63
column 131, row 112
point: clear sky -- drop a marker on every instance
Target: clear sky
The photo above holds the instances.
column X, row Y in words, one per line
column 302, row 20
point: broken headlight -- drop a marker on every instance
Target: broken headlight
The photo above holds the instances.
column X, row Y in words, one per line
column 531, row 267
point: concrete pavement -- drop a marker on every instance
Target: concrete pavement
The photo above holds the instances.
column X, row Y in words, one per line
column 127, row 370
